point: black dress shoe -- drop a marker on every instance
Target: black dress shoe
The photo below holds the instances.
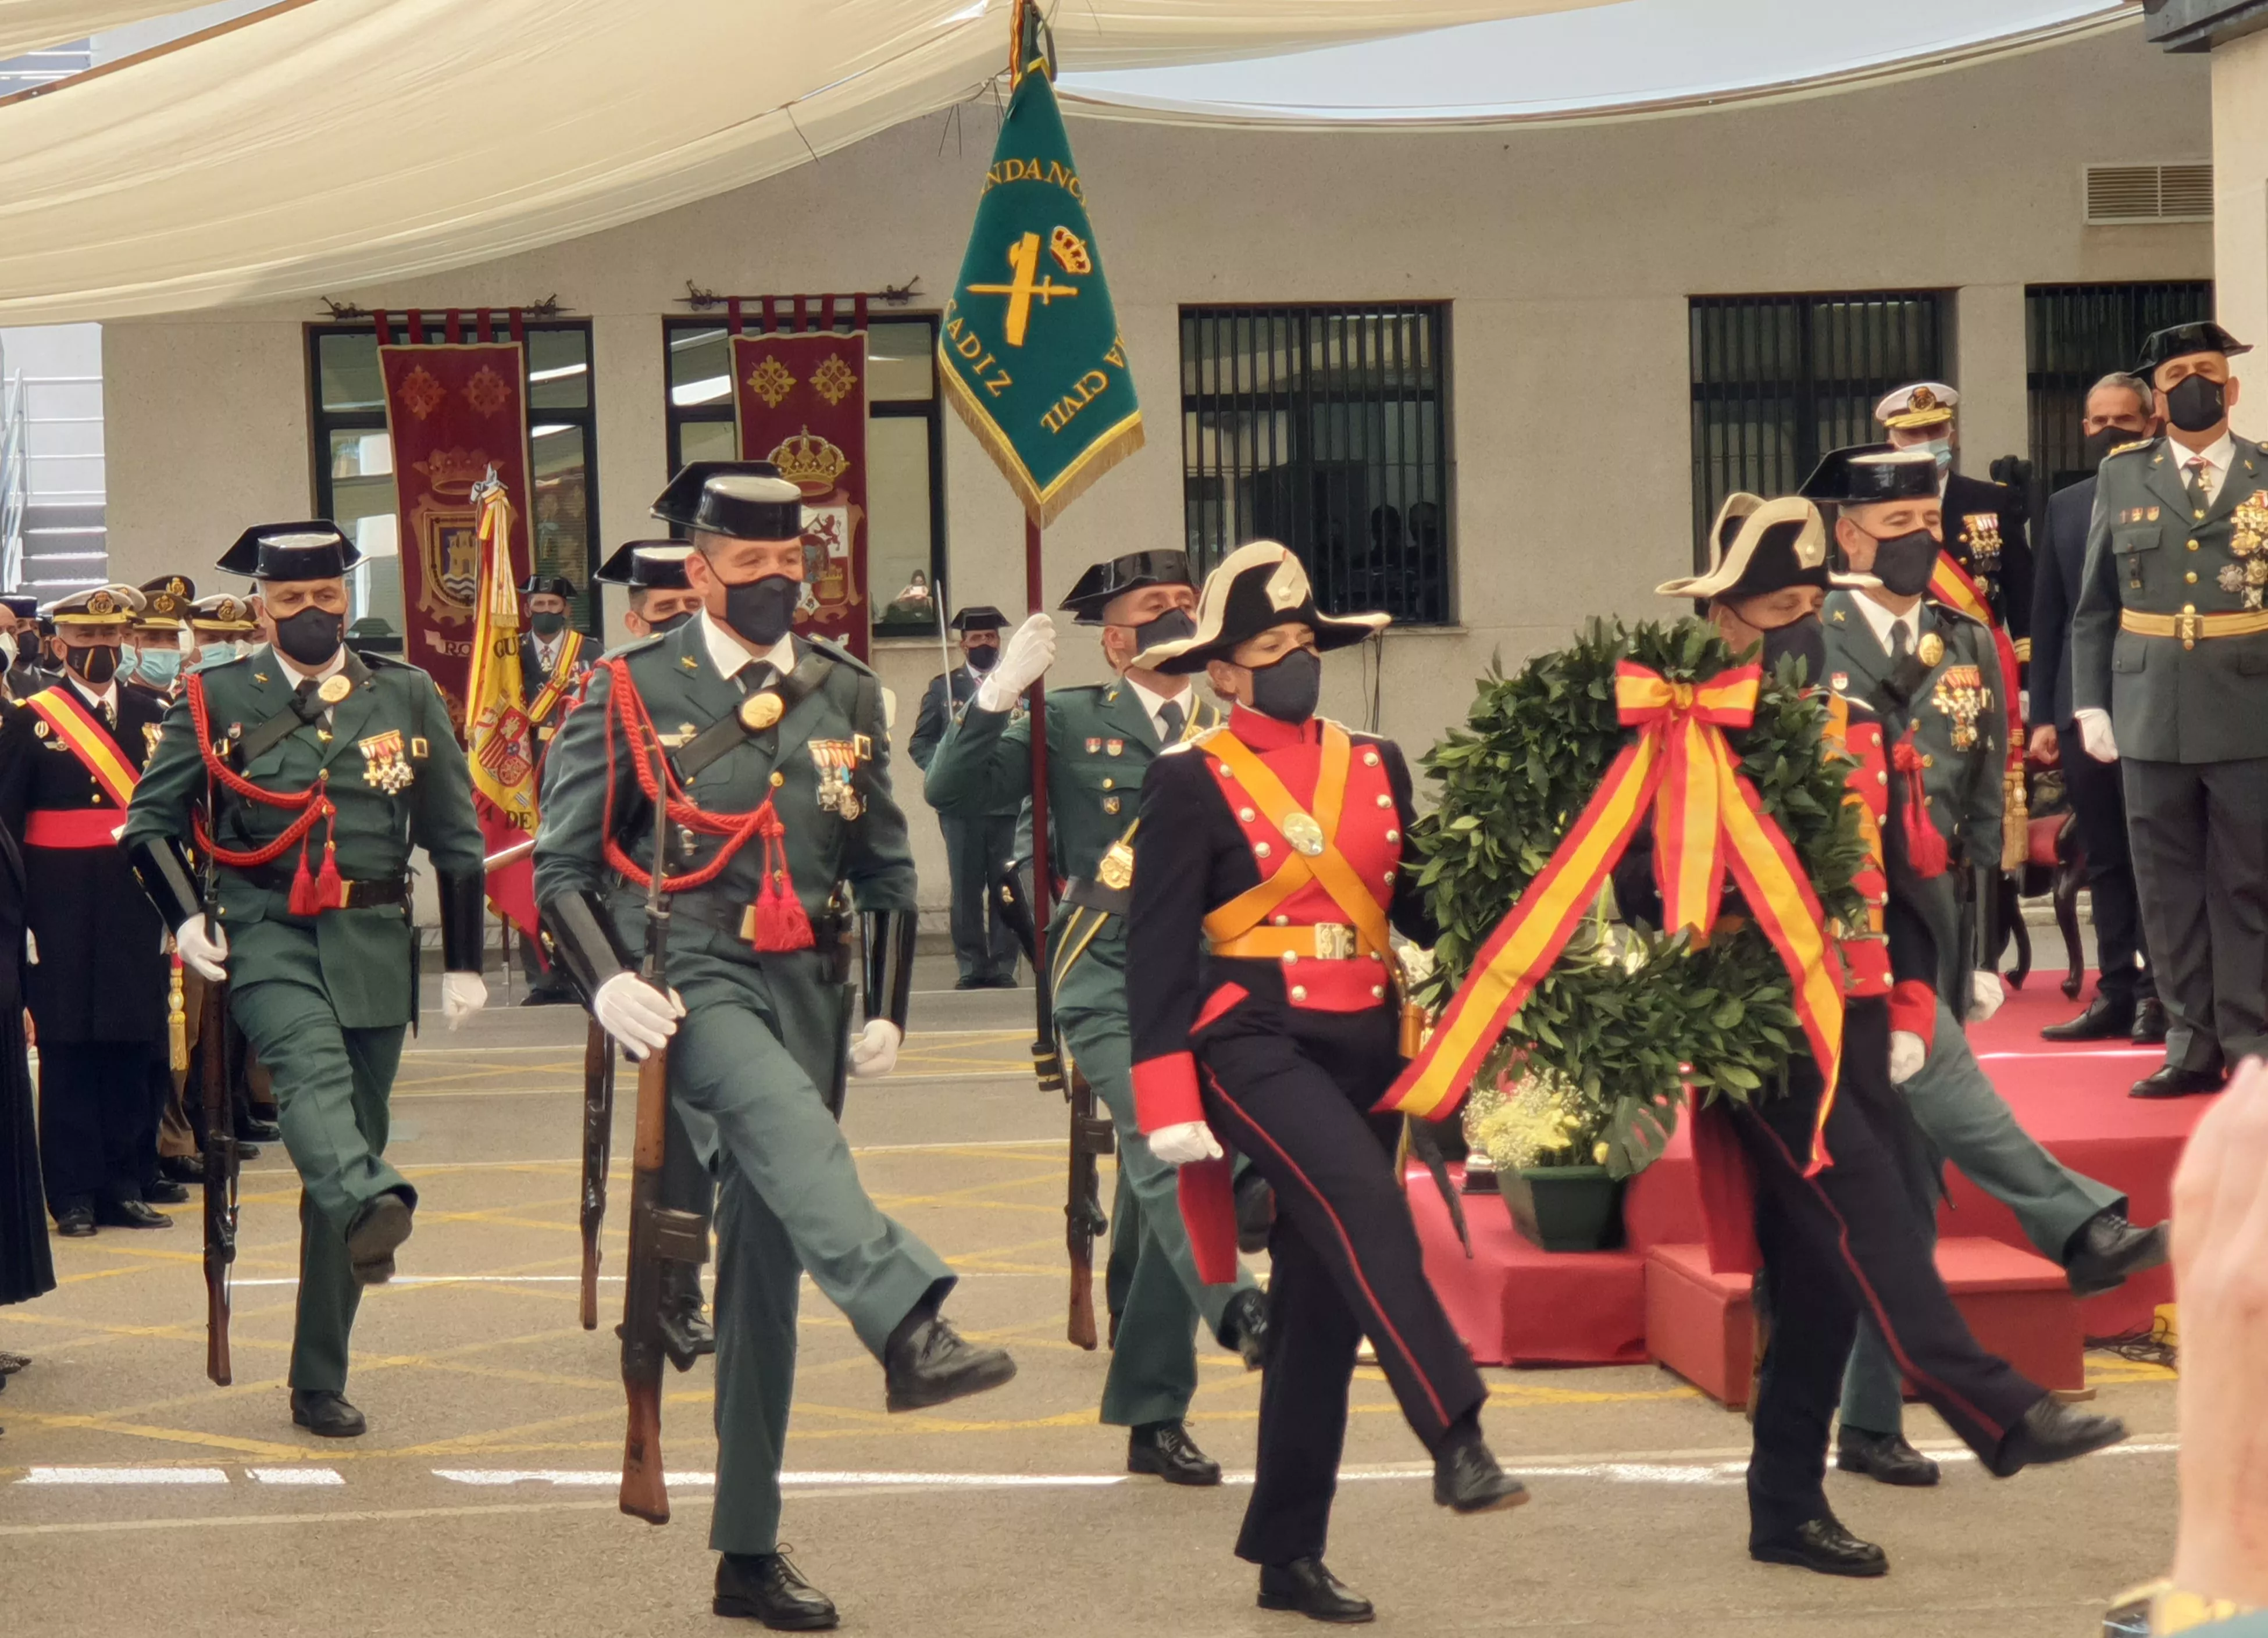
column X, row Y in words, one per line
column 550, row 997
column 1164, row 1449
column 766, row 1587
column 76, row 1223
column 1305, row 1585
column 326, row 1415
column 129, row 1214
column 1255, row 1212
column 686, row 1333
column 181, row 1169
column 2166, row 1080
column 244, row 1153
column 165, row 1193
column 1002, row 980
column 2149, row 1022
column 2104, row 1020
column 969, row 980
column 1883, row 1455
column 1244, row 1327
column 2050, row 1432
column 927, row 1363
column 2107, row 1249
column 10, row 1363
column 1823, row 1545
column 1466, row 1479
column 378, row 1231
column 251, row 1130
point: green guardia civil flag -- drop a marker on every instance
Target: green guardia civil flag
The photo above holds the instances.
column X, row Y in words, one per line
column 1031, row 354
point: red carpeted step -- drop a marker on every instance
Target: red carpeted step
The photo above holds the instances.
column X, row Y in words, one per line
column 1699, row 1323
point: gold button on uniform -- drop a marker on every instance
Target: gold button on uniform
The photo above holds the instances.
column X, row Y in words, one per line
column 1110, row 784
column 2193, row 545
column 1245, row 814
column 2191, row 576
column 1370, row 759
column 1261, row 849
column 1378, row 992
column 1298, row 991
column 1386, row 802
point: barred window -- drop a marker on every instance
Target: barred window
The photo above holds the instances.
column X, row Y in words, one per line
column 2074, row 335
column 1779, row 380
column 354, row 456
column 1326, row 427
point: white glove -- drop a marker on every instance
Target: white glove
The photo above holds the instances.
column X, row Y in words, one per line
column 1985, row 994
column 1907, row 1056
column 2094, row 734
column 1023, row 663
column 462, row 994
column 1185, row 1144
column 637, row 1014
column 202, row 955
column 875, row 1050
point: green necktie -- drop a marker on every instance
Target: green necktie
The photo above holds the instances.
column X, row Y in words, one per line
column 2200, row 475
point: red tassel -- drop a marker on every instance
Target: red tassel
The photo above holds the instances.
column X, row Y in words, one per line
column 1925, row 848
column 329, row 889
column 780, row 921
column 306, row 897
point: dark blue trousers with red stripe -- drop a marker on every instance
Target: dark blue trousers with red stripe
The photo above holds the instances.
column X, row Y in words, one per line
column 1293, row 1089
column 1848, row 1241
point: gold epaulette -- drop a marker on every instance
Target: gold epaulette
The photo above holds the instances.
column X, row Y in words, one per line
column 2121, row 448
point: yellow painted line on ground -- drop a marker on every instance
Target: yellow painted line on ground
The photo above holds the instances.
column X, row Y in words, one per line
column 358, row 1515
column 170, row 1436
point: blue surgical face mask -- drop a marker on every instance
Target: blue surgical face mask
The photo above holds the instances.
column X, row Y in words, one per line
column 1940, row 451
column 158, row 667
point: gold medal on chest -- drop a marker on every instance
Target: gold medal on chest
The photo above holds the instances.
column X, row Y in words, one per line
column 336, row 688
column 1932, row 648
column 1301, row 831
column 760, row 712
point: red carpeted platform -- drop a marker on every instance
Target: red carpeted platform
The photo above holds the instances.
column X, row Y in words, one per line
column 1515, row 1305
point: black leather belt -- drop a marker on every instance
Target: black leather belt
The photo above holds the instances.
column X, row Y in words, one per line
column 355, row 895
column 829, row 937
column 1085, row 891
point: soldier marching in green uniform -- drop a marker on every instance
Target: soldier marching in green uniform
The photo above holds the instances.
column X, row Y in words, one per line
column 1101, row 739
column 315, row 772
column 2169, row 678
column 1934, row 673
column 777, row 776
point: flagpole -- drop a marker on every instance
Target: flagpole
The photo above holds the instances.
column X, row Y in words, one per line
column 1042, row 878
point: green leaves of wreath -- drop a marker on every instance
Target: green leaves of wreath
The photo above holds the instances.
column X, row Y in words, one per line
column 1625, row 1011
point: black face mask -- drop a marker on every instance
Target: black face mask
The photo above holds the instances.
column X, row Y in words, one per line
column 311, row 637
column 2196, row 403
column 95, row 665
column 1904, row 562
column 663, row 627
column 1174, row 626
column 984, row 657
column 547, row 625
column 2096, row 446
column 762, row 611
column 1288, row 689
column 1802, row 639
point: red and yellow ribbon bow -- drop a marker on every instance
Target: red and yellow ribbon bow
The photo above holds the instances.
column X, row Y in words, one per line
column 1707, row 819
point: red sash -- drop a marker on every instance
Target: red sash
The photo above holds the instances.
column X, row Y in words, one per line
column 1950, row 584
column 82, row 734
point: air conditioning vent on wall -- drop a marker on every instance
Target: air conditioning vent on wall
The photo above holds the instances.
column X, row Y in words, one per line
column 2149, row 193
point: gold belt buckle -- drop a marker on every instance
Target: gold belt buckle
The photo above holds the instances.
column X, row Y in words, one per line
column 1334, row 942
column 2189, row 626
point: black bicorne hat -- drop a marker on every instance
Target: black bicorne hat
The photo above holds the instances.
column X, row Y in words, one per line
column 1102, row 582
column 314, row 550
column 2181, row 340
column 22, row 605
column 1758, row 547
column 745, row 500
column 552, row 585
column 647, row 566
column 979, row 617
column 1868, row 474
column 1257, row 586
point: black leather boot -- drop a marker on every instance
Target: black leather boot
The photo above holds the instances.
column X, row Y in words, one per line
column 926, row 1362
column 1164, row 1449
column 2052, row 1432
column 326, row 1414
column 378, row 1230
column 1467, row 1479
column 686, row 1333
column 1886, row 1456
column 1244, row 1327
column 1823, row 1546
column 1305, row 1585
column 2107, row 1249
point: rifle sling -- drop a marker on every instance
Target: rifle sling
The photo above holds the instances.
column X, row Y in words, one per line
column 265, row 737
column 727, row 732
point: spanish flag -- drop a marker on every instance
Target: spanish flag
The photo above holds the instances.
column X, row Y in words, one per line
column 499, row 740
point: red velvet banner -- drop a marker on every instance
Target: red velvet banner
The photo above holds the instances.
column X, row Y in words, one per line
column 801, row 402
column 452, row 412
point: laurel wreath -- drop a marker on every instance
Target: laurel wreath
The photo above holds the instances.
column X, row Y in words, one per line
column 1627, row 1015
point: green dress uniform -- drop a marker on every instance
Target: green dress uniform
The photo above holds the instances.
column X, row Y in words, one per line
column 755, row 1064
column 2171, row 640
column 323, row 999
column 1948, row 692
column 979, row 842
column 1101, row 742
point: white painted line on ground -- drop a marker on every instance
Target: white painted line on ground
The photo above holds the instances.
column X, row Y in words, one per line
column 124, row 1476
column 559, row 1476
column 296, row 1475
column 457, row 1278
column 2099, row 1051
column 413, row 1170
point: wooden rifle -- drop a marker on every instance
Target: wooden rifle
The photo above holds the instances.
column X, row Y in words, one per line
column 217, row 1096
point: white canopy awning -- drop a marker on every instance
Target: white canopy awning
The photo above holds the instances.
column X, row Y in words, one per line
column 36, row 25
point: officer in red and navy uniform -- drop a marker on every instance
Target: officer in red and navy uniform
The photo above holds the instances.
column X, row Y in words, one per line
column 99, row 978
column 1837, row 1217
column 1275, row 843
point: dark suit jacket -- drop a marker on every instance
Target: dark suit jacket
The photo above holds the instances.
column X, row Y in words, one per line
column 2054, row 598
column 2005, row 577
column 936, row 716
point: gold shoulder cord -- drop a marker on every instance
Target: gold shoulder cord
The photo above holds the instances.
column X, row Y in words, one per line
column 1115, row 871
